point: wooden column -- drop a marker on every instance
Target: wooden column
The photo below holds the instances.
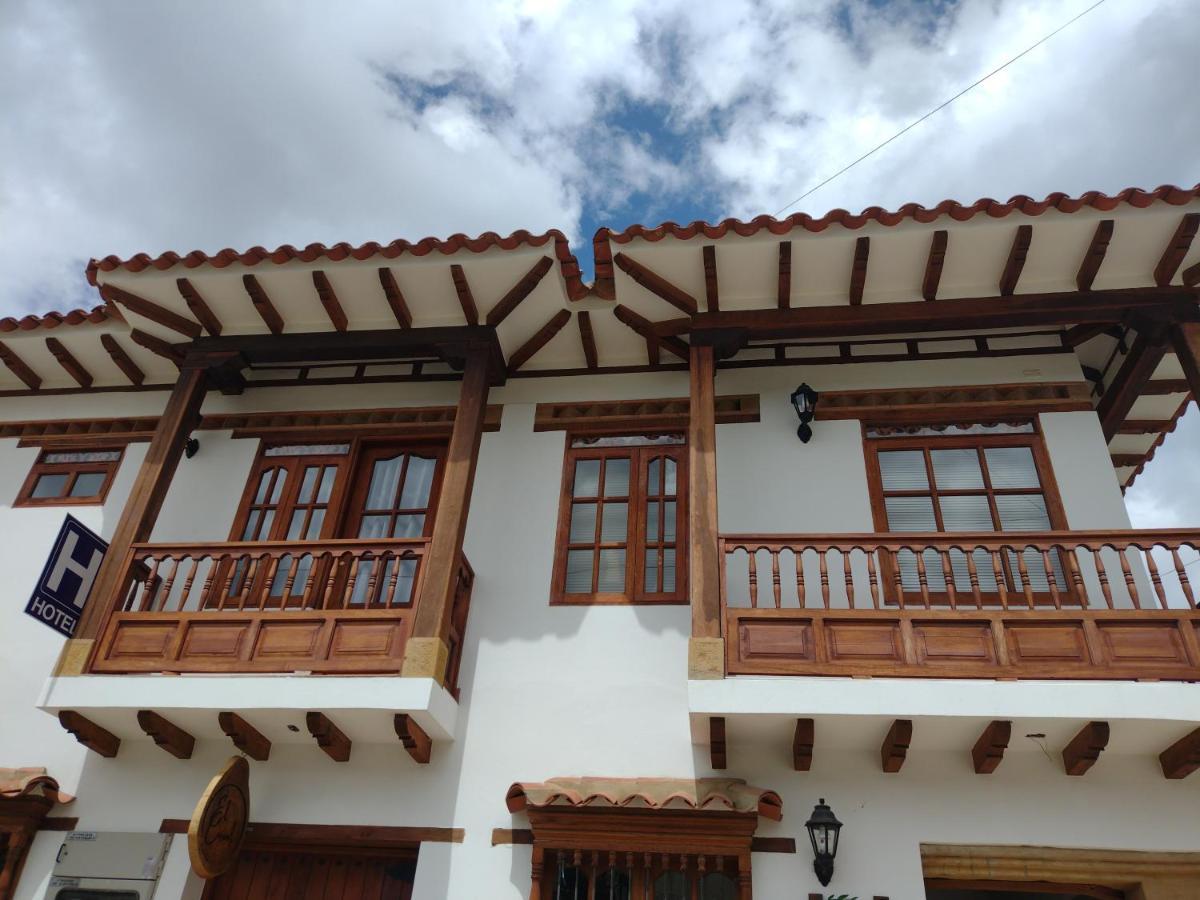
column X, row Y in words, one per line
column 706, row 650
column 1185, row 336
column 427, row 650
column 139, row 515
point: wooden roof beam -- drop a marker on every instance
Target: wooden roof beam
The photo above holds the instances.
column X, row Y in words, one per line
column 1176, row 249
column 70, row 364
column 395, row 299
column 645, row 328
column 1095, row 254
column 18, row 367
column 413, row 737
column 519, row 291
column 329, row 737
column 1191, row 276
column 588, row 339
column 156, row 345
column 329, row 300
column 802, row 744
column 1185, row 337
column 465, row 298
column 245, row 736
column 262, row 303
column 1016, row 260
column 988, row 751
column 123, row 360
column 894, row 750
column 1182, row 758
column 934, row 263
column 718, row 756
column 656, row 284
column 166, row 734
column 148, row 309
column 711, row 293
column 540, row 339
column 199, row 308
column 1085, row 748
column 858, row 270
column 784, row 297
column 1141, row 361
column 88, row 733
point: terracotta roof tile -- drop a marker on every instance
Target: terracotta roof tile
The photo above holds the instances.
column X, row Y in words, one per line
column 15, row 783
column 650, row 793
column 95, row 315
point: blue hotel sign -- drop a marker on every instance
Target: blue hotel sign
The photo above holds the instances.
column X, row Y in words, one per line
column 67, row 579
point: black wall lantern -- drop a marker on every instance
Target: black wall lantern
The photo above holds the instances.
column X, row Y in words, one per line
column 804, row 398
column 823, row 829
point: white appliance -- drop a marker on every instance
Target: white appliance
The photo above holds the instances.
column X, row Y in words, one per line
column 108, row 865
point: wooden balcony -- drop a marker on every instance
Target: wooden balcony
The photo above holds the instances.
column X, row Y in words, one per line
column 330, row 607
column 1059, row 605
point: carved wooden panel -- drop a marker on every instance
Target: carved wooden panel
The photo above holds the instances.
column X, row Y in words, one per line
column 1045, row 642
column 788, row 639
column 863, row 641
column 1143, row 643
column 939, row 642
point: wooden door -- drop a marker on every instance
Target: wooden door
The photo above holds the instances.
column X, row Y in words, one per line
column 269, row 874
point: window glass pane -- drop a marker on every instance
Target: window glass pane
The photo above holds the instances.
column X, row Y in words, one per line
column 910, row 514
column 653, row 476
column 49, row 486
column 1022, row 512
column 651, row 581
column 374, row 526
column 87, row 484
column 583, row 523
column 957, row 468
column 570, row 882
column 903, row 470
column 308, row 485
column 671, row 886
column 579, row 571
column 314, row 525
column 295, row 526
column 409, row 526
column 268, row 520
column 969, row 513
column 418, row 481
column 669, row 517
column 1012, row 467
column 587, row 478
column 616, row 478
column 718, row 886
column 652, row 521
column 404, row 582
column 670, row 471
column 385, row 476
column 668, row 562
column 326, row 484
column 614, row 522
column 613, row 884
column 280, row 480
column 264, row 484
column 612, row 571
column 250, row 532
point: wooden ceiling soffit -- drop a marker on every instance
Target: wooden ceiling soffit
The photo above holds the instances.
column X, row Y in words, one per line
column 951, row 405
column 666, row 414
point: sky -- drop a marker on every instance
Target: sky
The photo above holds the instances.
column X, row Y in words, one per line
column 142, row 126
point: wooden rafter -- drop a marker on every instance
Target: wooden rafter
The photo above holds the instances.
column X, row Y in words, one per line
column 519, row 291
column 123, row 361
column 934, row 263
column 802, row 744
column 1176, row 249
column 656, row 284
column 858, row 270
column 1095, row 254
column 199, row 307
column 166, row 734
column 988, row 751
column 245, row 736
column 413, row 737
column 784, row 295
column 588, row 339
column 711, row 293
column 1161, row 387
column 1183, row 757
column 1016, row 260
column 718, row 756
column 329, row 737
column 148, row 309
column 70, row 364
column 465, row 298
column 1085, row 748
column 395, row 299
column 262, row 303
column 1141, row 361
column 97, row 739
column 18, row 367
column 538, row 340
column 1185, row 337
column 1191, row 275
column 156, row 345
column 894, row 749
column 645, row 328
column 329, row 300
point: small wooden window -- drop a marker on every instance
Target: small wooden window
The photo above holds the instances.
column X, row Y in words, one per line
column 633, row 875
column 622, row 521
column 70, row 478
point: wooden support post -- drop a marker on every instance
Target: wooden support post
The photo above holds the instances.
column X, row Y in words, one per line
column 706, row 650
column 1185, row 337
column 413, row 737
column 988, row 751
column 427, row 650
column 181, row 415
column 245, row 736
column 717, row 755
column 894, row 750
column 166, row 734
column 329, row 737
column 1085, row 748
column 802, row 744
column 91, row 735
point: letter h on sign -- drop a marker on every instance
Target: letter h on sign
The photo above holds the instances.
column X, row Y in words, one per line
column 68, row 576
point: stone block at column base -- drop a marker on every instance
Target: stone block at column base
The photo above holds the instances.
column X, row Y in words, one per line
column 425, row 657
column 706, row 658
column 73, row 658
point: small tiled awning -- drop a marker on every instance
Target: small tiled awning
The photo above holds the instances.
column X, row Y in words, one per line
column 731, row 794
column 30, row 782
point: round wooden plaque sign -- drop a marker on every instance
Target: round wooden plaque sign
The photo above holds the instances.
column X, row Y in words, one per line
column 219, row 823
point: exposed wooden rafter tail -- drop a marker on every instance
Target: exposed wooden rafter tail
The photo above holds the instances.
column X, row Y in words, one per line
column 656, row 284
column 245, row 736
column 329, row 300
column 1017, row 254
column 784, row 295
column 123, row 360
column 858, row 270
column 1085, row 748
column 538, row 340
column 98, row 740
column 934, row 263
column 413, row 738
column 1182, row 758
column 588, row 339
column 465, row 298
column 156, row 345
column 70, row 364
column 329, row 737
column 519, row 291
column 199, row 307
column 645, row 328
column 712, row 294
column 1176, row 249
column 148, row 309
column 262, row 303
column 19, row 367
column 894, row 749
column 395, row 299
column 1095, row 254
column 1191, row 276
column 717, row 751
column 802, row 744
column 988, row 751
column 166, row 734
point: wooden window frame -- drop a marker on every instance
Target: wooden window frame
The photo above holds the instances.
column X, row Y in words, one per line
column 72, row 470
column 635, row 538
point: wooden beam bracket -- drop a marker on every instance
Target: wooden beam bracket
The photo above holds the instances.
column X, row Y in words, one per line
column 988, row 751
column 88, row 733
column 717, row 756
column 166, row 734
column 802, row 744
column 413, row 737
column 245, row 736
column 1085, row 748
column 1182, row 758
column 329, row 737
column 895, row 745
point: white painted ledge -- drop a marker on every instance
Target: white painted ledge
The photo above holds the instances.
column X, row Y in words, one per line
column 362, row 707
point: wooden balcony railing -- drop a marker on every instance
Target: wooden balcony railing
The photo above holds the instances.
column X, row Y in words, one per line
column 1113, row 604
column 337, row 606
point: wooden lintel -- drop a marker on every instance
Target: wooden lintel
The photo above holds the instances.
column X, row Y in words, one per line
column 395, row 299
column 123, row 361
column 1095, row 254
column 245, row 736
column 717, row 756
column 511, row 836
column 156, row 345
column 1182, row 758
column 894, row 749
column 588, row 339
column 1176, row 249
column 934, row 263
column 329, row 737
column 519, row 291
column 988, row 751
column 70, row 364
column 262, row 303
column 18, row 367
column 148, row 309
column 465, row 298
column 329, row 300
column 166, row 734
column 802, row 744
column 88, row 733
column 858, row 270
column 1016, row 260
column 413, row 737
column 199, row 307
column 538, row 340
column 711, row 294
column 656, row 284
column 784, row 295
column 1133, row 376
column 1085, row 748
column 645, row 328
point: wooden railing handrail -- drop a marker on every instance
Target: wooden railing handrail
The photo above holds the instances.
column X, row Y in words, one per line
column 172, row 549
column 906, row 539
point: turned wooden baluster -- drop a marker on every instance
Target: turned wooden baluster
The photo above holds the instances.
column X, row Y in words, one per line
column 292, row 572
column 1051, row 580
column 186, row 592
column 897, row 578
column 1023, row 572
column 922, row 578
column 799, row 554
column 824, row 576
column 150, row 586
column 249, row 574
column 169, row 584
column 1102, row 573
column 973, row 575
column 847, row 576
column 948, row 575
column 1077, row 577
column 1156, row 578
column 751, row 558
column 390, row 595
column 1001, row 578
column 1130, row 585
column 776, row 587
column 872, row 578
column 1181, row 572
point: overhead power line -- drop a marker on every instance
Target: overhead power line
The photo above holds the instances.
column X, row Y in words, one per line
column 939, row 108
